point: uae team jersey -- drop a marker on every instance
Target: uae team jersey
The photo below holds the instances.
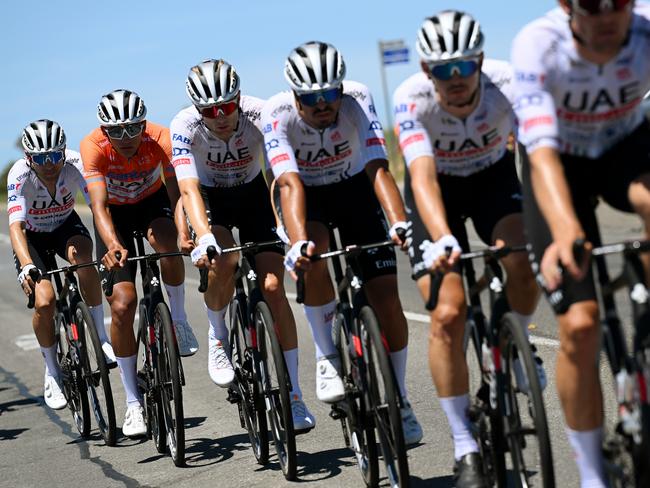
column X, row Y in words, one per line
column 128, row 180
column 199, row 154
column 325, row 156
column 459, row 147
column 572, row 105
column 30, row 201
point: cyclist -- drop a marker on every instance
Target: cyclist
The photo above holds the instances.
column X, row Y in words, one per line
column 41, row 189
column 454, row 121
column 123, row 161
column 218, row 158
column 580, row 74
column 327, row 152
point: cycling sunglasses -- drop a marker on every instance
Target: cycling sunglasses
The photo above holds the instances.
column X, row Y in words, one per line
column 594, row 7
column 54, row 157
column 118, row 132
column 327, row 96
column 462, row 68
column 223, row 109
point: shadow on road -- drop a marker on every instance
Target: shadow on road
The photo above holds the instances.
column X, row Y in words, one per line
column 204, row 452
column 436, row 482
column 11, row 406
column 10, row 434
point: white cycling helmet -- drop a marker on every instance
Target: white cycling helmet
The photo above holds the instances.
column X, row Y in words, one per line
column 314, row 66
column 449, row 35
column 43, row 136
column 212, row 81
column 121, row 107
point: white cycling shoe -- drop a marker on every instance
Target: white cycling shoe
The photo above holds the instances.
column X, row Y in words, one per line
column 187, row 343
column 303, row 420
column 329, row 386
column 53, row 393
column 520, row 375
column 410, row 425
column 134, row 424
column 219, row 365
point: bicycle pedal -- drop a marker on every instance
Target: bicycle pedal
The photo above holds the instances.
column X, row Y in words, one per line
column 337, row 413
column 303, row 431
column 474, row 412
column 233, row 396
column 111, row 365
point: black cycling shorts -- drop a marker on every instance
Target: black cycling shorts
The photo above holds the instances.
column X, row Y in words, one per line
column 130, row 218
column 486, row 197
column 608, row 178
column 352, row 206
column 246, row 207
column 40, row 243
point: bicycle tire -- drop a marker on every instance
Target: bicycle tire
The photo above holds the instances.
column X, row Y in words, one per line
column 169, row 383
column 360, row 429
column 487, row 424
column 384, row 405
column 74, row 389
column 275, row 381
column 100, row 393
column 520, row 434
column 245, row 359
column 145, row 372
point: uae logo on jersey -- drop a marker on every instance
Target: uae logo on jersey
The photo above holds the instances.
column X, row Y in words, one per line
column 336, row 136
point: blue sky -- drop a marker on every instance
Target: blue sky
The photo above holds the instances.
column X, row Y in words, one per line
column 60, row 56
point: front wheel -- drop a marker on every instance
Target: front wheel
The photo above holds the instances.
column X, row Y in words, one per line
column 525, row 424
column 275, row 387
column 169, row 384
column 71, row 346
column 383, row 398
column 97, row 380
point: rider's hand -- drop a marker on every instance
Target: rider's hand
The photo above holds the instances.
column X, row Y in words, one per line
column 295, row 261
column 200, row 252
column 401, row 234
column 436, row 255
column 186, row 243
column 560, row 252
column 25, row 279
column 110, row 259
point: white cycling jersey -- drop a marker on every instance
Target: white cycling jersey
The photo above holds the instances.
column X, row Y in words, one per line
column 325, row 156
column 460, row 147
column 29, row 201
column 199, row 153
column 572, row 105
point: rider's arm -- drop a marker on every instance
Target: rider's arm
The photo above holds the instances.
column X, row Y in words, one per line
column 292, row 201
column 194, row 206
column 386, row 190
column 19, row 243
column 428, row 197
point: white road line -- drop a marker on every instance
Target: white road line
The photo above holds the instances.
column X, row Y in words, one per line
column 412, row 316
column 27, row 342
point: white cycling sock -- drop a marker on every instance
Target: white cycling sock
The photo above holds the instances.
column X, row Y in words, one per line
column 51, row 362
column 524, row 321
column 456, row 410
column 176, row 296
column 587, row 449
column 291, row 358
column 129, row 380
column 97, row 312
column 320, row 320
column 398, row 358
column 217, row 330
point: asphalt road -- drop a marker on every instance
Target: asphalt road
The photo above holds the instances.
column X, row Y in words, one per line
column 40, row 447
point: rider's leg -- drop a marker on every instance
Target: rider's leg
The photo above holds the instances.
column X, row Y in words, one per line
column 43, row 325
column 578, row 385
column 639, row 195
column 447, row 358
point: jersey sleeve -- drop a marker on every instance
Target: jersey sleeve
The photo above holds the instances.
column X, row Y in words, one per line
column 414, row 140
column 16, row 202
column 165, row 144
column 373, row 142
column 276, row 117
column 94, row 162
column 74, row 159
column 183, row 162
column 533, row 101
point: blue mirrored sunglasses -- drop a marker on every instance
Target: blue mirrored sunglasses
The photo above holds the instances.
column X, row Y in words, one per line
column 54, row 157
column 462, row 68
column 313, row 99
